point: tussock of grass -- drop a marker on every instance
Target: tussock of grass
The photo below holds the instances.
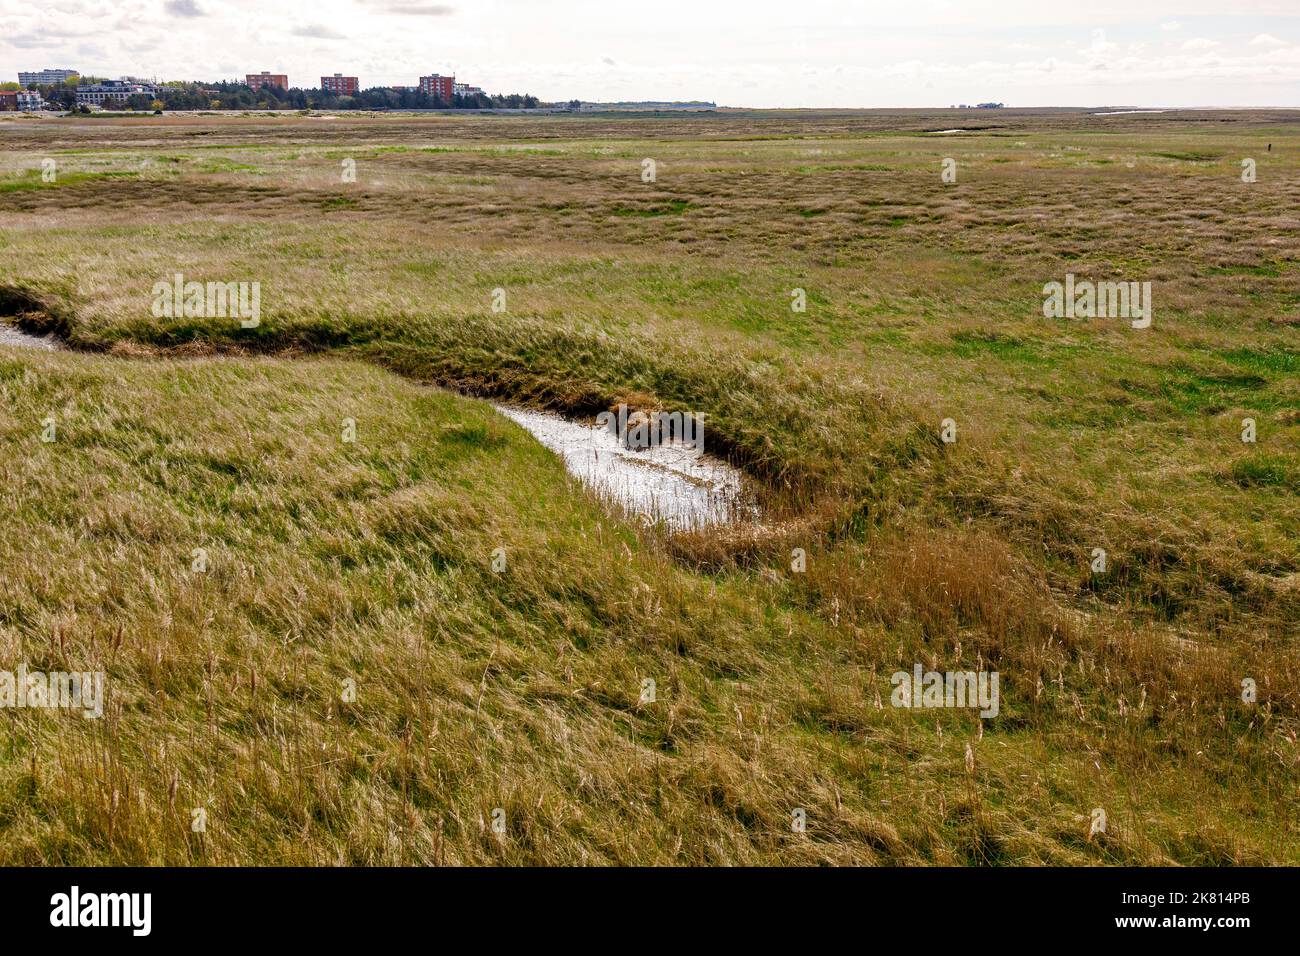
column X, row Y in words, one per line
column 1280, row 470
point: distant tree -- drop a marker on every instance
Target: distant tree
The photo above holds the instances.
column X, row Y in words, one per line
column 62, row 96
column 225, row 95
column 515, row 101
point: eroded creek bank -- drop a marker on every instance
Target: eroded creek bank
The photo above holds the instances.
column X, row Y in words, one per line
column 671, row 482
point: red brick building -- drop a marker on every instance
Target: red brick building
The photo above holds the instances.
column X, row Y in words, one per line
column 443, row 87
column 8, row 101
column 340, row 85
column 259, row 80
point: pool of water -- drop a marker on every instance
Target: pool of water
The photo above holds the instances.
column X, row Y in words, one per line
column 12, row 335
column 670, row 482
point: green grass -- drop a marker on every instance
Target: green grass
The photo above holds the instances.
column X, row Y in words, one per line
column 370, row 562
column 1280, row 470
column 1190, row 157
column 521, row 691
column 32, row 179
column 338, row 202
column 673, row 207
column 1275, row 362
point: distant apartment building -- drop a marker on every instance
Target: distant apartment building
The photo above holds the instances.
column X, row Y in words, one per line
column 45, row 77
column 111, row 91
column 464, row 89
column 340, row 85
column 258, row 80
column 443, row 87
column 30, row 101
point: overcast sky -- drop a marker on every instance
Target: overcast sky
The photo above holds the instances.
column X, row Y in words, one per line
column 734, row 52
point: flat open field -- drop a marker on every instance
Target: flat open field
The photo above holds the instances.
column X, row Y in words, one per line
column 1163, row 690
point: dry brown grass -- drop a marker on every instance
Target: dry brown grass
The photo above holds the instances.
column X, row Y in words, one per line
column 1121, row 691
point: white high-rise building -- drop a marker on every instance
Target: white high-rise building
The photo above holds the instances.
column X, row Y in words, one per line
column 45, row 77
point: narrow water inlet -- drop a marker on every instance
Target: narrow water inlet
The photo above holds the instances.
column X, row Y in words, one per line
column 670, row 482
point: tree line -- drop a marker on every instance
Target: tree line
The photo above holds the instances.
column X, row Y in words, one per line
column 225, row 95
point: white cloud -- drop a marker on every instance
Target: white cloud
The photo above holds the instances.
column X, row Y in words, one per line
column 318, row 32
column 183, row 8
column 1200, row 43
column 1169, row 26
column 1267, row 39
column 414, row 8
column 31, row 41
column 1100, row 46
